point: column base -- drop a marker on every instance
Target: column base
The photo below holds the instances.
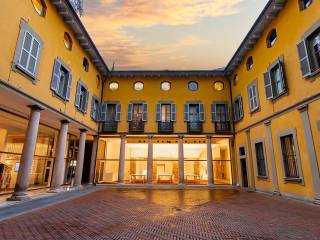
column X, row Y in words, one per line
column 19, row 197
column 211, row 185
column 78, row 187
column 317, row 201
column 181, row 185
column 277, row 193
column 55, row 190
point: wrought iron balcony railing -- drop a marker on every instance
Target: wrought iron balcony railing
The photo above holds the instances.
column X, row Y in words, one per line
column 136, row 126
column 222, row 127
column 165, row 127
column 109, row 127
column 195, row 127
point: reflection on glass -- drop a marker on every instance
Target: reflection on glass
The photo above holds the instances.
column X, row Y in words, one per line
column 135, row 168
column 221, row 161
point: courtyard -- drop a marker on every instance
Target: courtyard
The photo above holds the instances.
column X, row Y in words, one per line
column 124, row 213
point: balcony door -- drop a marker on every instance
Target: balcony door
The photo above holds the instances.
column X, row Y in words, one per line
column 137, row 112
column 194, row 113
column 221, row 112
column 165, row 112
column 111, row 113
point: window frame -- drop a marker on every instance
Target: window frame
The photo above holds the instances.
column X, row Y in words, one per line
column 270, row 44
column 134, row 86
column 284, row 133
column 261, row 141
column 253, row 84
column 16, row 66
column 96, row 117
column 214, row 117
column 144, row 113
column 303, row 6
column 249, row 63
column 241, row 111
column 201, row 112
column 69, row 38
column 164, row 83
column 81, row 84
column 191, row 82
column 44, row 10
column 173, row 110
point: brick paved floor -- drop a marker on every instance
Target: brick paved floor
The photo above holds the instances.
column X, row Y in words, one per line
column 168, row 214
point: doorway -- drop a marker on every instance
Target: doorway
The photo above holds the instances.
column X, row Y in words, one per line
column 244, row 173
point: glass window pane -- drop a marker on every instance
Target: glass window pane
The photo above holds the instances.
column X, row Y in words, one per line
column 27, row 41
column 35, row 47
column 32, row 64
column 24, row 59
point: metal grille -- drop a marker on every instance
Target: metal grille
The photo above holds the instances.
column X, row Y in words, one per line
column 289, row 157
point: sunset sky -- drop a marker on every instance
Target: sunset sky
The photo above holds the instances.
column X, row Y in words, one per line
column 169, row 34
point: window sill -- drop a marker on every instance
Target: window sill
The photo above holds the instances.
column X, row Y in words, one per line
column 264, row 178
column 293, row 180
column 16, row 68
column 81, row 111
column 314, row 75
column 285, row 93
column 253, row 111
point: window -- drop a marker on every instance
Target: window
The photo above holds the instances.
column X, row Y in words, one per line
column 220, row 112
column 110, row 112
column 165, row 86
column 260, row 159
column 95, row 106
column 218, row 85
column 274, row 80
column 138, row 86
column 98, row 80
column 113, row 86
column 82, row 96
column 67, row 41
column 28, row 51
column 40, row 7
column 166, row 112
column 309, row 53
column 193, row 86
column 253, row 96
column 235, row 79
column 249, row 63
column 272, row 38
column 61, row 81
column 304, row 4
column 237, row 109
column 85, row 64
column 194, row 112
column 289, row 156
column 137, row 112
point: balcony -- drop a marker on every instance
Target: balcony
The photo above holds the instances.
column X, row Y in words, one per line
column 222, row 127
column 136, row 126
column 109, row 127
column 165, row 127
column 194, row 127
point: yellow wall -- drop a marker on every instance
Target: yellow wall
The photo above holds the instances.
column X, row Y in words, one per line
column 291, row 24
column 179, row 94
column 51, row 29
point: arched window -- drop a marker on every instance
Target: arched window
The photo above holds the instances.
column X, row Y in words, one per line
column 272, row 38
column 67, row 41
column 85, row 64
column 40, row 7
column 249, row 63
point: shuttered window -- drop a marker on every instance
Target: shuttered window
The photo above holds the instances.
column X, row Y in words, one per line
column 194, row 112
column 237, row 109
column 137, row 112
column 28, row 51
column 61, row 81
column 253, row 96
column 82, row 97
column 95, row 108
column 275, row 81
column 220, row 112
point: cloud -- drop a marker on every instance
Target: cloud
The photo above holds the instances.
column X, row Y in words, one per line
column 108, row 22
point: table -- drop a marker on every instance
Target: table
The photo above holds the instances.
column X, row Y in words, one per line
column 192, row 178
column 134, row 177
column 169, row 176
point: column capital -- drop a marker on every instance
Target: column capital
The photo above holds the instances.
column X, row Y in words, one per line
column 150, row 136
column 209, row 136
column 180, row 136
column 303, row 108
column 64, row 121
column 248, row 131
column 267, row 123
column 35, row 107
column 123, row 136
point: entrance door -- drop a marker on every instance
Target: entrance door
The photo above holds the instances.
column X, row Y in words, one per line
column 244, row 173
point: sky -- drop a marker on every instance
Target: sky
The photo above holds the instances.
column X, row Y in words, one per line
column 169, row 34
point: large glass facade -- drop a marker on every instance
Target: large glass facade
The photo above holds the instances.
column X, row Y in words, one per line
column 221, row 161
column 107, row 166
column 12, row 137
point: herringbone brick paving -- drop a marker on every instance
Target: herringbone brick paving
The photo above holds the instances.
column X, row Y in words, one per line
column 168, row 214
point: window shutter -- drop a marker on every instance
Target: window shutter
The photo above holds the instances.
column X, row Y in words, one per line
column 214, row 112
column 251, row 100
column 304, row 59
column 268, row 85
column 201, row 112
column 55, row 75
column 173, row 112
column 186, row 112
column 77, row 98
column 227, row 112
column 86, row 103
column 158, row 112
column 240, row 108
column 130, row 108
column 145, row 112
column 103, row 112
column 92, row 107
column 235, row 116
column 118, row 112
column 283, row 75
column 98, row 115
column 68, row 93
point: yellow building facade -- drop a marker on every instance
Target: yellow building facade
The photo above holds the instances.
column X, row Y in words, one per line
column 67, row 119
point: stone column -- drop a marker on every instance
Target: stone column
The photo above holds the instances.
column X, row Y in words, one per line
column 80, row 158
column 122, row 159
column 311, row 152
column 234, row 166
column 59, row 164
column 93, row 158
column 252, row 179
column 209, row 161
column 20, row 190
column 181, row 160
column 272, row 159
column 150, row 159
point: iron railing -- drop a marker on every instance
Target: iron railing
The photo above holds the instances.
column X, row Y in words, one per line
column 195, row 127
column 165, row 127
column 136, row 126
column 109, row 127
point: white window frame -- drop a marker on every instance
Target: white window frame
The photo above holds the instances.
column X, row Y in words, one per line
column 26, row 29
column 253, row 96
